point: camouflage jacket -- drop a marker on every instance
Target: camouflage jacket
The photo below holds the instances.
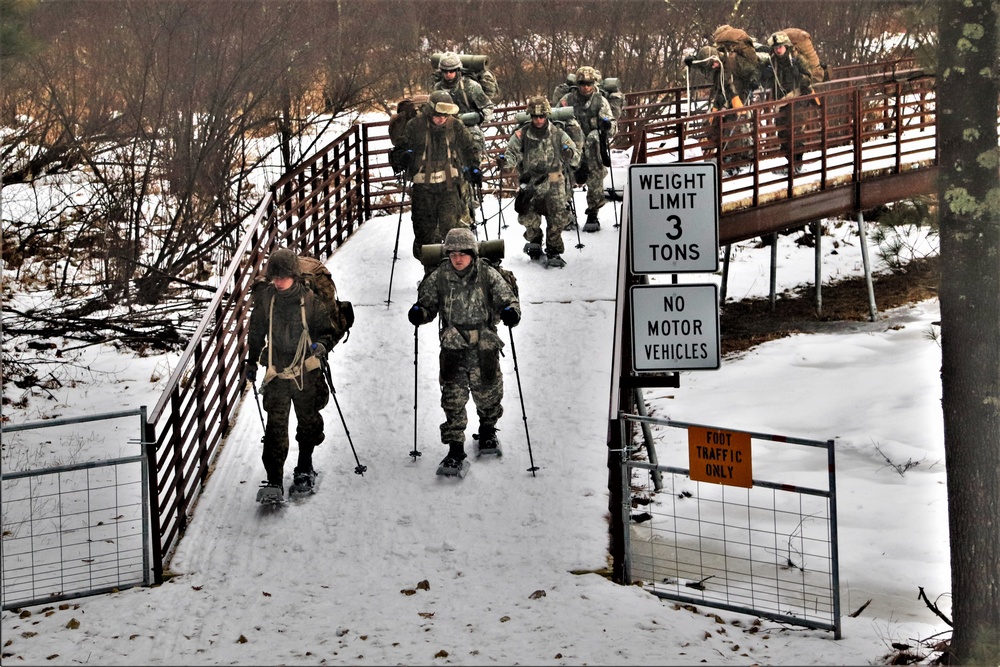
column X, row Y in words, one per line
column 448, row 149
column 537, row 152
column 469, row 95
column 787, row 76
column 467, row 303
column 282, row 330
column 590, row 111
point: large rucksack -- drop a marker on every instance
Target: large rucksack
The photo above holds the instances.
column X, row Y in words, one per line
column 317, row 277
column 609, row 88
column 804, row 51
column 474, row 67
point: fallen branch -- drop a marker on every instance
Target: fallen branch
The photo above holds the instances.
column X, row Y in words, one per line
column 933, row 607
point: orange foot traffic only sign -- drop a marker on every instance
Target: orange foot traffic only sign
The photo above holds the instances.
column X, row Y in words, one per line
column 720, row 457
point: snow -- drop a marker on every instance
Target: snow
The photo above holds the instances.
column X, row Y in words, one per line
column 399, row 566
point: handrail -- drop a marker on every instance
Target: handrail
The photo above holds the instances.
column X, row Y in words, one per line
column 321, row 202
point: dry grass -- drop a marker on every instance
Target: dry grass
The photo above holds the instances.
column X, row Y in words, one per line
column 750, row 322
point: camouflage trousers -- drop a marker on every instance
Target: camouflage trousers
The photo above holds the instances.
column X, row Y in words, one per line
column 595, row 181
column 436, row 209
column 553, row 205
column 464, row 371
column 279, row 398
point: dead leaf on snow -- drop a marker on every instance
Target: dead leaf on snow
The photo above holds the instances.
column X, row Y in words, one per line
column 73, row 624
column 537, row 594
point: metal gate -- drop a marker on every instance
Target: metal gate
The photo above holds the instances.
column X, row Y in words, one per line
column 767, row 548
column 78, row 529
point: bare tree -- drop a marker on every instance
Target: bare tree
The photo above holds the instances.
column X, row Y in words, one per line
column 967, row 90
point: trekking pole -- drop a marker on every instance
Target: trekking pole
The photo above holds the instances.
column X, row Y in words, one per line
column 359, row 469
column 256, row 397
column 501, row 223
column 614, row 206
column 416, row 350
column 572, row 207
column 520, row 393
column 395, row 248
column 479, row 196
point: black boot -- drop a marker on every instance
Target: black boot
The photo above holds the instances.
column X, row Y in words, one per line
column 592, row 224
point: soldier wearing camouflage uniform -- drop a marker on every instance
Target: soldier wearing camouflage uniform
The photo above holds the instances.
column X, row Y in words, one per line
column 593, row 112
column 296, row 329
column 469, row 96
column 467, row 93
column 787, row 77
column 441, row 153
column 542, row 152
column 470, row 297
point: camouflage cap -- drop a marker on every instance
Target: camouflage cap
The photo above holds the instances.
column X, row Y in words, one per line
column 283, row 263
column 459, row 239
column 440, row 102
column 538, row 106
column 586, row 75
column 779, row 39
column 450, row 62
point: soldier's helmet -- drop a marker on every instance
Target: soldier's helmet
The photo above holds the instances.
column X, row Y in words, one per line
column 450, row 62
column 779, row 39
column 440, row 102
column 460, row 239
column 586, row 75
column 283, row 263
column 539, row 106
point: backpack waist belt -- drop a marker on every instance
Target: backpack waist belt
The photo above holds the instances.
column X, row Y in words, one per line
column 435, row 176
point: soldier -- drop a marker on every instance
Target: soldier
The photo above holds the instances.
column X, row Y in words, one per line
column 787, row 77
column 593, row 112
column 296, row 329
column 470, row 296
column 440, row 152
column 467, row 93
column 541, row 151
column 473, row 103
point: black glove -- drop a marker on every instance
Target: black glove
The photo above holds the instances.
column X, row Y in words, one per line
column 475, row 176
column 509, row 317
column 581, row 174
column 251, row 373
column 318, row 350
column 688, row 60
column 415, row 315
column 606, row 124
column 501, row 161
column 524, row 178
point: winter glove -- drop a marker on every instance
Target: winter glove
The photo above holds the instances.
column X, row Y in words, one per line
column 501, row 161
column 567, row 152
column 475, row 176
column 251, row 373
column 318, row 350
column 415, row 315
column 582, row 174
column 509, row 317
column 605, row 124
column 688, row 60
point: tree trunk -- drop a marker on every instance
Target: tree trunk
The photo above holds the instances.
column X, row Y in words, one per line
column 970, row 320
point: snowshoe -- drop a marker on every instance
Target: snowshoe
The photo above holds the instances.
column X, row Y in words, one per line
column 533, row 250
column 270, row 494
column 555, row 261
column 489, row 445
column 452, row 467
column 592, row 224
column 303, row 482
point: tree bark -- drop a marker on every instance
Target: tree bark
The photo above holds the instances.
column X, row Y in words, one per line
column 970, row 320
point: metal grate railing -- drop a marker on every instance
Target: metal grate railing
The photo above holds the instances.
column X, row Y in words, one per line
column 74, row 530
column 769, row 549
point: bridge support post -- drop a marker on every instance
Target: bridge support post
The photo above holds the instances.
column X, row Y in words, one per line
column 872, row 312
column 818, row 243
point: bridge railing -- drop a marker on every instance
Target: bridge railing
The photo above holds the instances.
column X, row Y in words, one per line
column 318, row 205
